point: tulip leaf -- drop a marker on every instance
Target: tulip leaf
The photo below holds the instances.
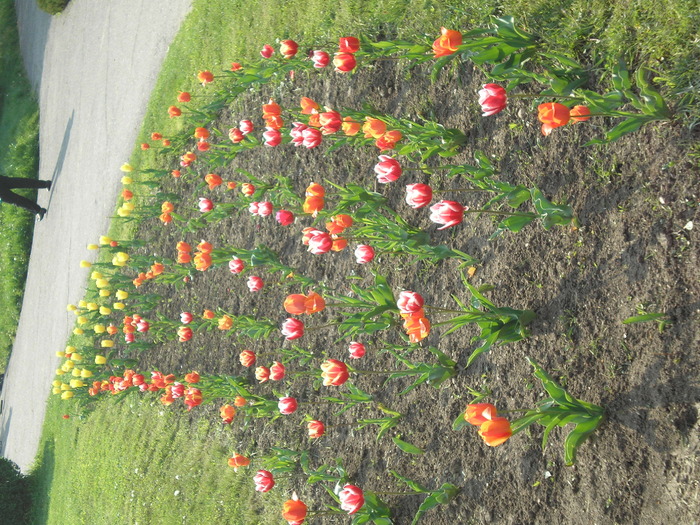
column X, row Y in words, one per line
column 443, row 495
column 459, row 423
column 577, row 436
column 406, row 447
column 643, row 318
column 413, row 485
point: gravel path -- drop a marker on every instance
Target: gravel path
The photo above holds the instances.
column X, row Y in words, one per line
column 93, row 67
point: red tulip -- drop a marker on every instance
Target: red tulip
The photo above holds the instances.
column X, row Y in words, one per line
column 247, row 189
column 447, row 43
column 193, row 398
column 263, row 481
column 247, row 358
column 311, row 138
column 205, row 205
column 316, row 429
column 580, row 113
column 334, row 372
column 349, row 44
column 447, row 213
column 213, row 180
column 288, row 48
column 262, row 373
column 267, row 51
column 495, row 431
column 238, row 461
column 294, row 511
column 272, row 137
column 410, row 302
column 287, row 405
column 227, row 413
column 265, row 209
column 235, row 66
column 183, row 96
column 205, row 77
column 364, row 253
column 320, row 59
column 255, row 283
column 492, row 99
column 351, row 499
column 387, row 169
column 184, row 333
column 320, row 243
column 284, row 217
column 344, row 62
column 478, row 413
column 186, row 317
column 174, row 111
column 357, row 350
column 277, row 371
column 246, row 126
column 330, row 121
column 236, row 265
column 552, row 115
column 236, row 135
column 418, row 195
column 292, row 329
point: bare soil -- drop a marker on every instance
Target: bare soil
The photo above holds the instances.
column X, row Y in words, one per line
column 634, row 249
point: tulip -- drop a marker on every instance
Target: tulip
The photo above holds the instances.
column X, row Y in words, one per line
column 107, row 343
column 231, row 185
column 186, row 317
column 267, row 51
column 387, row 169
column 192, row 377
column 320, row 243
column 205, row 247
column 235, row 135
column 330, row 122
column 311, row 138
column 409, row 302
column 313, row 205
column 203, row 146
column 85, row 264
column 262, row 373
column 236, row 265
column 316, row 429
column 247, row 358
column 227, row 413
column 418, row 195
column 287, row 405
column 255, row 283
column 334, row 372
column 100, row 360
column 344, row 62
column 357, row 350
column 174, row 111
column 225, row 323
column 127, row 195
column 205, row 77
column 237, row 461
column 265, row 209
column 183, row 96
column 373, row 128
column 320, row 59
column 235, row 66
column 246, row 126
column 284, row 217
column 552, row 115
column 417, row 328
column 447, row 213
column 272, row 137
column 339, row 244
column 314, row 303
column 579, row 113
column 351, row 499
column 205, row 205
column 263, row 481
column 492, row 99
column 277, row 371
column 292, row 329
column 495, row 431
column 193, row 398
column 295, row 304
column 349, row 44
column 213, row 180
column 350, row 127
column 478, row 413
column 202, row 261
column 288, row 48
column 126, row 168
column 388, row 140
column 201, row 133
column 294, row 511
column 447, row 43
column 184, row 333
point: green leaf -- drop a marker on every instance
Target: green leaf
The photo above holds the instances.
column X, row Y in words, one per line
column 629, row 125
column 643, row 318
column 406, row 447
column 443, row 495
column 413, row 485
column 621, row 77
column 577, row 436
column 459, row 423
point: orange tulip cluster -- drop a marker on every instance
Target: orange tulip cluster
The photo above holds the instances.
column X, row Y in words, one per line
column 376, row 129
column 493, row 430
column 155, row 271
column 554, row 115
column 415, row 323
column 202, row 257
column 314, row 201
column 166, row 209
column 297, row 304
column 272, row 115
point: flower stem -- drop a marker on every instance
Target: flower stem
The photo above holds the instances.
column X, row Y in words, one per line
column 505, row 213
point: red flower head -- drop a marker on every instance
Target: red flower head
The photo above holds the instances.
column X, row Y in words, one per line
column 288, row 48
column 235, row 66
column 294, row 511
column 205, row 205
column 262, row 373
column 227, row 413
column 349, row 44
column 247, row 189
column 263, row 481
column 447, row 43
column 320, row 243
column 267, row 51
column 238, row 461
column 174, row 111
column 351, row 499
column 295, row 304
column 284, row 217
column 255, row 283
column 334, row 372
column 316, row 429
column 277, row 371
column 236, row 265
column 292, row 329
column 388, row 140
column 287, row 405
column 205, row 77
column 184, row 333
column 320, row 59
column 156, row 136
column 272, row 137
column 357, row 350
column 495, row 431
column 236, row 135
column 447, row 213
column 552, row 115
column 580, row 113
column 183, row 96
column 311, row 138
column 193, row 398
column 418, row 195
column 246, row 126
column 410, row 302
column 492, row 99
column 247, row 358
column 192, row 377
column 387, row 169
column 478, row 413
column 344, row 62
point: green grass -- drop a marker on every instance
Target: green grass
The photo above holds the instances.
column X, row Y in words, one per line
column 19, row 157
column 137, row 445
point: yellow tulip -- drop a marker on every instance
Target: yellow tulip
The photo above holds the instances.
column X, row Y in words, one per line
column 85, row 264
column 67, row 394
column 129, row 206
column 105, row 310
column 107, row 343
column 55, row 390
column 122, row 212
column 126, row 168
column 99, row 328
column 60, row 371
column 75, row 372
column 85, row 373
column 100, row 360
column 92, row 306
column 76, row 357
column 118, row 306
column 105, row 293
column 121, row 295
column 105, row 240
column 59, row 353
column 93, row 247
column 126, row 180
column 71, row 308
column 76, row 383
column 78, row 331
column 122, row 256
column 81, row 319
column 65, row 386
column 70, row 349
column 96, row 275
column 68, row 364
column 56, row 383
column 82, row 303
column 102, row 283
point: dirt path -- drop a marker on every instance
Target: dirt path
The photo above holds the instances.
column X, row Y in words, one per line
column 94, row 67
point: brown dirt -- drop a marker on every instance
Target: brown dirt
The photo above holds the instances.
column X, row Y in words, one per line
column 632, row 198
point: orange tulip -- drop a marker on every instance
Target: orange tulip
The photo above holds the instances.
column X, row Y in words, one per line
column 225, row 323
column 339, row 245
column 127, row 195
column 313, row 205
column 182, row 246
column 183, row 258
column 157, row 269
column 205, row 247
column 308, row 105
column 156, row 136
column 388, row 140
column 213, row 180
column 315, row 190
column 294, row 510
column 552, row 115
column 201, row 133
column 205, row 77
column 183, row 96
column 417, row 328
column 334, row 228
column 295, row 304
column 495, row 431
column 227, row 412
column 579, row 113
column 334, row 372
column 167, row 207
column 447, row 43
column 478, row 413
column 350, row 127
column 202, row 261
column 165, row 218
column 373, row 128
column 240, row 401
column 208, row 314
column 192, row 377
column 238, row 461
column 314, row 303
column 271, row 109
column 174, row 111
